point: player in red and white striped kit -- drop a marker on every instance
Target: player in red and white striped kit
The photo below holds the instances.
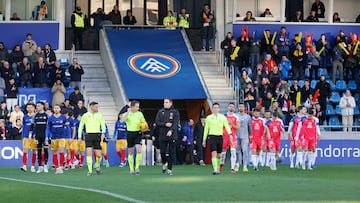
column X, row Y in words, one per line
column 309, row 126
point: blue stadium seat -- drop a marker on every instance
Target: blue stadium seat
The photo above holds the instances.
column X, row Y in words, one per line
column 335, row 98
column 301, row 83
column 248, row 70
column 313, row 83
column 290, row 83
column 356, row 111
column 338, row 110
column 352, row 85
column 332, row 85
column 64, row 62
column 340, row 85
column 334, row 121
column 323, row 71
column 330, row 110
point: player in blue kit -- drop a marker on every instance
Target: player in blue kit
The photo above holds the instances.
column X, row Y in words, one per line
column 29, row 141
column 120, row 135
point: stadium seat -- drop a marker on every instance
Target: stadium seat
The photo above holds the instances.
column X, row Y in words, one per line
column 301, row 83
column 332, row 85
column 290, row 83
column 356, row 111
column 335, row 98
column 340, row 85
column 334, row 122
column 248, row 70
column 338, row 110
column 352, row 85
column 322, row 71
column 330, row 110
column 313, row 83
column 64, row 61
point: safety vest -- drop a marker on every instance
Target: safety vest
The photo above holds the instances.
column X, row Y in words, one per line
column 79, row 20
column 170, row 22
column 183, row 22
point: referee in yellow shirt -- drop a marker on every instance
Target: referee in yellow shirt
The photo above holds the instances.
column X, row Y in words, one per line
column 213, row 131
column 133, row 117
column 94, row 133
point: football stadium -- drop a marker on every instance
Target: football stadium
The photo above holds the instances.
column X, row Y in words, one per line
column 179, row 101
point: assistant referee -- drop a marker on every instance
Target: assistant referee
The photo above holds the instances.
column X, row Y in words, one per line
column 94, row 133
column 214, row 125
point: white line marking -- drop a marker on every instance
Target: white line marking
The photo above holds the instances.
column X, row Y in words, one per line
column 126, row 198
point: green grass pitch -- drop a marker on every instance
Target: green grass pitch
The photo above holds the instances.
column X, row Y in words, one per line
column 327, row 183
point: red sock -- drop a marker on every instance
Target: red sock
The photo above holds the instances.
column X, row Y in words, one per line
column 77, row 156
column 24, row 160
column 55, row 160
column 119, row 153
column 106, row 157
column 72, row 156
column 42, row 158
column 33, row 159
column 123, row 155
column 62, row 158
column 94, row 156
column 67, row 161
column 82, row 159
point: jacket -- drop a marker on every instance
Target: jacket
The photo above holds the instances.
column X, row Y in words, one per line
column 115, row 18
column 347, row 111
column 198, row 132
column 164, row 116
column 325, row 89
column 4, row 54
column 188, row 132
column 40, row 74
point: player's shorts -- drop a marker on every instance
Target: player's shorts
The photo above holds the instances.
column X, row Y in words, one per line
column 227, row 144
column 67, row 145
column 103, row 146
column 93, row 140
column 78, row 146
column 121, row 144
column 216, row 143
column 56, row 144
column 133, row 138
column 309, row 144
column 256, row 145
column 295, row 144
column 29, row 145
column 274, row 144
column 265, row 143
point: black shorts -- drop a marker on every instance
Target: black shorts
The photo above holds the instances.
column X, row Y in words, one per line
column 133, row 138
column 216, row 143
column 40, row 142
column 93, row 140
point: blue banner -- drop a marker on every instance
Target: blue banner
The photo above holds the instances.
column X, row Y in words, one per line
column 328, row 152
column 15, row 33
column 154, row 64
column 38, row 94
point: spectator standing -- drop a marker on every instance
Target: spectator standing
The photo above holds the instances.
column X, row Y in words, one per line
column 79, row 109
column 40, row 11
column 198, row 138
column 324, row 91
column 294, row 92
column 50, row 56
column 16, row 114
column 266, row 43
column 40, row 73
column 58, row 91
column 337, row 62
column 324, row 51
column 183, row 19
column 25, row 71
column 4, row 112
column 207, row 29
column 7, row 73
column 75, row 96
column 4, row 54
column 347, row 105
column 36, row 55
column 298, row 62
column 283, row 41
column 16, row 56
column 169, row 21
column 11, row 94
column 232, row 55
column 98, row 17
column 115, row 16
column 254, row 52
column 57, row 73
column 15, row 132
column 29, row 46
column 319, row 9
column 341, row 38
column 226, row 43
column 306, row 91
column 129, row 19
column 78, row 25
column 76, row 71
column 2, row 89
column 285, row 67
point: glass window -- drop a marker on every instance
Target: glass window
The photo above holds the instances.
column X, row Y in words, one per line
column 2, row 10
column 138, row 11
column 109, row 5
column 95, row 4
column 123, row 6
column 152, row 12
column 30, row 10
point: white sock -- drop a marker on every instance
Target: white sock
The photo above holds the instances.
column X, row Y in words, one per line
column 223, row 157
column 273, row 159
column 292, row 159
column 254, row 159
column 268, row 158
column 314, row 158
column 305, row 158
column 262, row 157
column 310, row 159
column 299, row 158
column 233, row 157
